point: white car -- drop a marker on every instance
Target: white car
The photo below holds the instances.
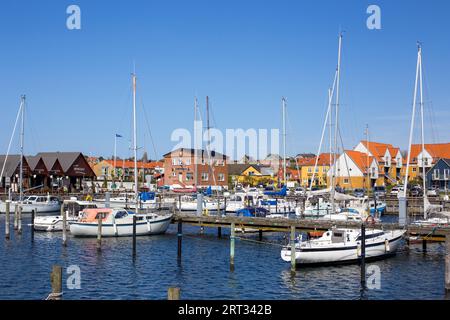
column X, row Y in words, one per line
column 299, row 191
column 432, row 192
column 396, row 190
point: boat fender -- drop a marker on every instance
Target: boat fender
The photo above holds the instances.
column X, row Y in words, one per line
column 114, row 225
column 387, row 247
column 149, row 225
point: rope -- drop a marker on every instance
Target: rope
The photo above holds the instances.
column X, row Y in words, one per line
column 53, row 296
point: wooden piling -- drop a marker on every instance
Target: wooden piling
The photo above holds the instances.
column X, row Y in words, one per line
column 232, row 239
column 424, row 245
column 293, row 262
column 180, row 238
column 173, row 294
column 99, row 232
column 16, row 216
column 8, row 208
column 219, row 232
column 33, row 215
column 19, row 223
column 447, row 264
column 363, row 256
column 64, row 226
column 260, row 234
column 134, row 235
column 56, row 282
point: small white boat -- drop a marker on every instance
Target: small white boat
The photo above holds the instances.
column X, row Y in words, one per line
column 55, row 223
column 118, row 223
column 38, row 204
column 338, row 246
column 320, row 209
column 190, row 204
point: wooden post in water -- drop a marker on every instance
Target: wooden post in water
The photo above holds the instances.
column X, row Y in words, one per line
column 33, row 213
column 232, row 239
column 447, row 264
column 363, row 256
column 293, row 262
column 56, row 282
column 99, row 232
column 180, row 238
column 173, row 294
column 64, row 226
column 424, row 245
column 225, row 206
column 219, row 232
column 16, row 216
column 260, row 235
column 19, row 223
column 7, row 204
column 134, row 235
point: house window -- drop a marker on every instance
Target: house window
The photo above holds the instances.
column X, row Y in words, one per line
column 174, row 174
column 221, row 177
column 317, row 170
column 346, row 181
column 189, row 176
column 205, row 176
column 180, row 162
column 309, row 170
column 187, row 162
column 446, row 174
column 436, row 174
column 414, row 169
column 174, row 161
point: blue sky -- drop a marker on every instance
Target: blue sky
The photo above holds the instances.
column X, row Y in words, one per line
column 244, row 54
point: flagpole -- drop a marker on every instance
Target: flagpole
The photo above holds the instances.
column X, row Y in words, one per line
column 115, row 154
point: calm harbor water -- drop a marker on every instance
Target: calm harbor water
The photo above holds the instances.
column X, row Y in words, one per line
column 204, row 269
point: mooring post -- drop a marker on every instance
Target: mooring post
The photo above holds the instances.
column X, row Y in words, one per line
column 99, row 232
column 293, row 262
column 56, row 282
column 134, row 235
column 64, row 226
column 8, row 208
column 19, row 223
column 447, row 264
column 180, row 237
column 260, row 234
column 33, row 213
column 363, row 256
column 173, row 294
column 219, row 232
column 16, row 216
column 232, row 239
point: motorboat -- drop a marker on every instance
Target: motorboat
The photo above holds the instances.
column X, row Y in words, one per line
column 340, row 246
column 319, row 209
column 189, row 203
column 55, row 223
column 36, row 204
column 235, row 202
column 277, row 206
column 118, row 223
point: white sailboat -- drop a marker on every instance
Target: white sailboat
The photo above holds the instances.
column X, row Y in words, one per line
column 37, row 204
column 432, row 214
column 119, row 222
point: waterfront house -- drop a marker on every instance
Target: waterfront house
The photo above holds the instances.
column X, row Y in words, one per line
column 438, row 176
column 432, row 153
column 38, row 171
column 180, row 166
column 10, row 177
column 104, row 170
column 389, row 158
column 307, row 170
column 354, row 169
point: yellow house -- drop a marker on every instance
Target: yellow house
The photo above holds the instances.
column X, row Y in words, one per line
column 249, row 174
column 320, row 172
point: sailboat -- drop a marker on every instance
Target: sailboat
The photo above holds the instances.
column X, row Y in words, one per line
column 432, row 214
column 37, row 204
column 119, row 222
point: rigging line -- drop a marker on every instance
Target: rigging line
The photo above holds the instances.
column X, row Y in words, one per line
column 148, row 128
column 345, row 158
column 11, row 140
column 430, row 108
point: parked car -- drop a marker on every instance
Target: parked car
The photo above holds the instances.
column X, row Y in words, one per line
column 396, row 190
column 432, row 192
column 299, row 191
column 416, row 191
column 379, row 191
column 359, row 193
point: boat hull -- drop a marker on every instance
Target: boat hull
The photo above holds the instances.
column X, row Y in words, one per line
column 39, row 209
column 148, row 227
column 345, row 255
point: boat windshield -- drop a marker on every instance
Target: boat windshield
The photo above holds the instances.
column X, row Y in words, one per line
column 121, row 214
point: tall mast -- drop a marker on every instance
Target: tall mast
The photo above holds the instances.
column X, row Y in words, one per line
column 411, row 130
column 336, row 128
column 284, row 139
column 135, row 144
column 195, row 149
column 22, row 133
column 422, row 133
column 368, row 162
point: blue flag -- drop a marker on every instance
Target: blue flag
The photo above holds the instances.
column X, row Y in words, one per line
column 118, row 136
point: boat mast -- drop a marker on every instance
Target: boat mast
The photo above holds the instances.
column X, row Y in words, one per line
column 22, row 133
column 135, row 144
column 284, row 139
column 368, row 155
column 338, row 78
column 422, row 134
column 411, row 130
column 195, row 150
